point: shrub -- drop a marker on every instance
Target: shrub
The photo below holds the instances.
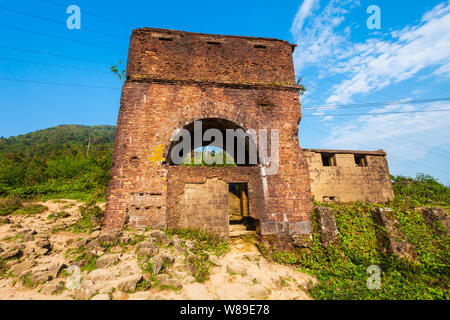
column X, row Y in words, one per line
column 9, row 205
column 91, row 217
column 31, row 209
column 342, row 269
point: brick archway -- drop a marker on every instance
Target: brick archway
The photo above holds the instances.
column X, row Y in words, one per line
column 182, row 78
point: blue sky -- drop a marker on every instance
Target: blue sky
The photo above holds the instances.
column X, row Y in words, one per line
column 340, row 60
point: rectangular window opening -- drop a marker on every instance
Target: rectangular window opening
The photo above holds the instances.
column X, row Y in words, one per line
column 259, row 46
column 360, row 160
column 214, row 43
column 328, row 160
column 165, row 39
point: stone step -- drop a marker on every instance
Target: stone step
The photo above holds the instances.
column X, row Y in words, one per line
column 242, row 233
column 237, row 227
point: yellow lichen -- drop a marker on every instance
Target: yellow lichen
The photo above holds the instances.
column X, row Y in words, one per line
column 157, row 155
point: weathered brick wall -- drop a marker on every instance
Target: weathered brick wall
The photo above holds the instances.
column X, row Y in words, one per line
column 180, row 176
column 160, row 97
column 204, row 206
column 348, row 182
column 178, row 55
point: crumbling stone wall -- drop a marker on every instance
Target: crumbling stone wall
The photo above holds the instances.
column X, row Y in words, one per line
column 175, row 78
column 204, row 206
column 345, row 181
column 180, row 176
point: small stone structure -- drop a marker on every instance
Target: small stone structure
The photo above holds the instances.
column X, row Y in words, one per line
column 345, row 176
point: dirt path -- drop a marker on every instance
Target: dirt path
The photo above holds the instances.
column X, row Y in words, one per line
column 39, row 266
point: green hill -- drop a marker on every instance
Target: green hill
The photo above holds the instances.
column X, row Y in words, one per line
column 64, row 161
column 47, row 140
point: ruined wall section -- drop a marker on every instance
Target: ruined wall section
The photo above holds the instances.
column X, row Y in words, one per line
column 181, row 86
column 204, row 206
column 183, row 56
column 180, row 176
column 346, row 182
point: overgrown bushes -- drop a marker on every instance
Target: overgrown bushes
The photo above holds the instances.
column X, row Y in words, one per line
column 342, row 269
column 56, row 163
column 9, row 204
column 91, row 217
column 422, row 190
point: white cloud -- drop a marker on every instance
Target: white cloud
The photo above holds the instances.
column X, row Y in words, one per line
column 317, row 37
column 404, row 135
column 302, row 13
column 375, row 63
column 414, row 141
column 443, row 71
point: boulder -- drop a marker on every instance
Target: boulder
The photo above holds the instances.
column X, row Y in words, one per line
column 22, row 268
column 257, row 291
column 100, row 275
column 215, row 260
column 52, row 288
column 116, row 249
column 54, row 268
column 165, row 280
column 94, row 234
column 157, row 263
column 302, row 240
column 83, row 293
column 196, row 291
column 397, row 242
column 28, row 251
column 236, row 268
column 11, row 254
column 107, row 260
column 161, row 236
column 43, row 243
column 39, row 277
column 433, row 215
column 109, row 237
column 147, row 248
column 92, row 245
column 168, row 258
column 327, row 226
column 128, row 284
column 11, row 263
column 145, row 295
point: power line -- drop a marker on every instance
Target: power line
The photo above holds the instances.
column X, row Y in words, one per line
column 94, row 14
column 59, row 84
column 374, row 113
column 60, row 38
column 51, row 54
column 54, row 65
column 374, row 104
column 59, row 22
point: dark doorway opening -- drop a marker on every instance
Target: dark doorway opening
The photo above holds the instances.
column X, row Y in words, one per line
column 238, row 208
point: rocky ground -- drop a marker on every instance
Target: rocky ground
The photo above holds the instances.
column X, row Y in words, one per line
column 41, row 259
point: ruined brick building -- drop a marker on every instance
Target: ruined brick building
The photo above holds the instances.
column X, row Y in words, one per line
column 175, row 78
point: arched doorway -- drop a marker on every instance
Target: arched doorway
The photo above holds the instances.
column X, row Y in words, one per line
column 213, row 183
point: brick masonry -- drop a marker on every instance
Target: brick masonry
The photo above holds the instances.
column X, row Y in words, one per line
column 175, row 78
